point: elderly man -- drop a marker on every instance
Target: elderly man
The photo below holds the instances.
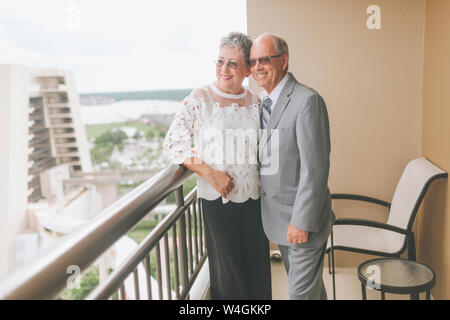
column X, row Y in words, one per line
column 295, row 199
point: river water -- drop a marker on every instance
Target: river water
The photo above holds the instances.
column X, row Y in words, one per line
column 127, row 110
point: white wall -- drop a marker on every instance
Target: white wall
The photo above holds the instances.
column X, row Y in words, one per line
column 14, row 104
column 86, row 205
column 108, row 192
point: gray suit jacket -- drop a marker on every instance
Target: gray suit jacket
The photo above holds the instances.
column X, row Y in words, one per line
column 297, row 192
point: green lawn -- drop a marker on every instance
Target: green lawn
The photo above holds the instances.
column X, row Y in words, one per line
column 106, row 140
column 142, row 229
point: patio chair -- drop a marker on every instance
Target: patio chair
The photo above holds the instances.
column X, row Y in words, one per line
column 392, row 238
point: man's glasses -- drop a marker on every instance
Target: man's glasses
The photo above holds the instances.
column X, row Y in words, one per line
column 231, row 64
column 263, row 60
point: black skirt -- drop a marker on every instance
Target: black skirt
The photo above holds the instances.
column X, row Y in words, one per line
column 238, row 250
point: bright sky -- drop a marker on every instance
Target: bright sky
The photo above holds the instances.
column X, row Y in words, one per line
column 120, row 45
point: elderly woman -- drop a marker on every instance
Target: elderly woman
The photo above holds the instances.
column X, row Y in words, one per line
column 222, row 119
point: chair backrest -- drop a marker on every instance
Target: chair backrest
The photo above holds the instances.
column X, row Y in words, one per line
column 414, row 182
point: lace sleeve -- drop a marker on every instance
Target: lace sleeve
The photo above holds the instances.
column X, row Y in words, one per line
column 179, row 138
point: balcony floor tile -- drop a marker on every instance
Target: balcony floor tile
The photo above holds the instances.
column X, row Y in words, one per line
column 348, row 287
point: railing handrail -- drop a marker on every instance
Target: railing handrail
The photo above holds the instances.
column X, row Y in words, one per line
column 46, row 276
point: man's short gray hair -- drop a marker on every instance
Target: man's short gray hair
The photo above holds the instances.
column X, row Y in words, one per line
column 279, row 43
column 240, row 41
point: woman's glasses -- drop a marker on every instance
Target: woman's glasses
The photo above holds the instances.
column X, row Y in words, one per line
column 231, row 64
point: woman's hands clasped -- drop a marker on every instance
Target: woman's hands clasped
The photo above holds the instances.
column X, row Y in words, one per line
column 221, row 181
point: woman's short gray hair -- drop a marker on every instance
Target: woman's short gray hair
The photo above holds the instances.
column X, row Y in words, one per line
column 240, row 41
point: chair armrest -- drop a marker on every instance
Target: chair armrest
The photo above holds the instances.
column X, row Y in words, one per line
column 369, row 223
column 358, row 197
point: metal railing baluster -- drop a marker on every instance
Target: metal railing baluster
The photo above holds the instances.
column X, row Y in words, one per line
column 175, row 262
column 182, row 245
column 136, row 284
column 167, row 266
column 122, row 292
column 148, row 276
column 191, row 262
column 200, row 219
column 158, row 271
column 194, row 212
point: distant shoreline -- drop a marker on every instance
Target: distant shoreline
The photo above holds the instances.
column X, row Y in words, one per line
column 99, row 98
column 128, row 110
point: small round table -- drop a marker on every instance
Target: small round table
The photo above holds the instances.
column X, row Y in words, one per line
column 395, row 275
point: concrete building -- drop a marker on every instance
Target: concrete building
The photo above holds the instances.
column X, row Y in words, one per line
column 40, row 128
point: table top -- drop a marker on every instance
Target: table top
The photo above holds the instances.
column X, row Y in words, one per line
column 396, row 273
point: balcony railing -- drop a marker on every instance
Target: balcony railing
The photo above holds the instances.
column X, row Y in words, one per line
column 176, row 245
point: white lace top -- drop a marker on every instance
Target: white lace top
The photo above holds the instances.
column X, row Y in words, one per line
column 223, row 128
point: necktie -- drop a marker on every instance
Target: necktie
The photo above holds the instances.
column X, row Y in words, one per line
column 266, row 111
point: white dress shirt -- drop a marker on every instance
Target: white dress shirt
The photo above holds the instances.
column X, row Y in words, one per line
column 275, row 92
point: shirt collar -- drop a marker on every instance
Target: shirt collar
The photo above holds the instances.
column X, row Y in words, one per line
column 275, row 92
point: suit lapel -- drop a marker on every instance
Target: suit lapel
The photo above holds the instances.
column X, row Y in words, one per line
column 279, row 107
